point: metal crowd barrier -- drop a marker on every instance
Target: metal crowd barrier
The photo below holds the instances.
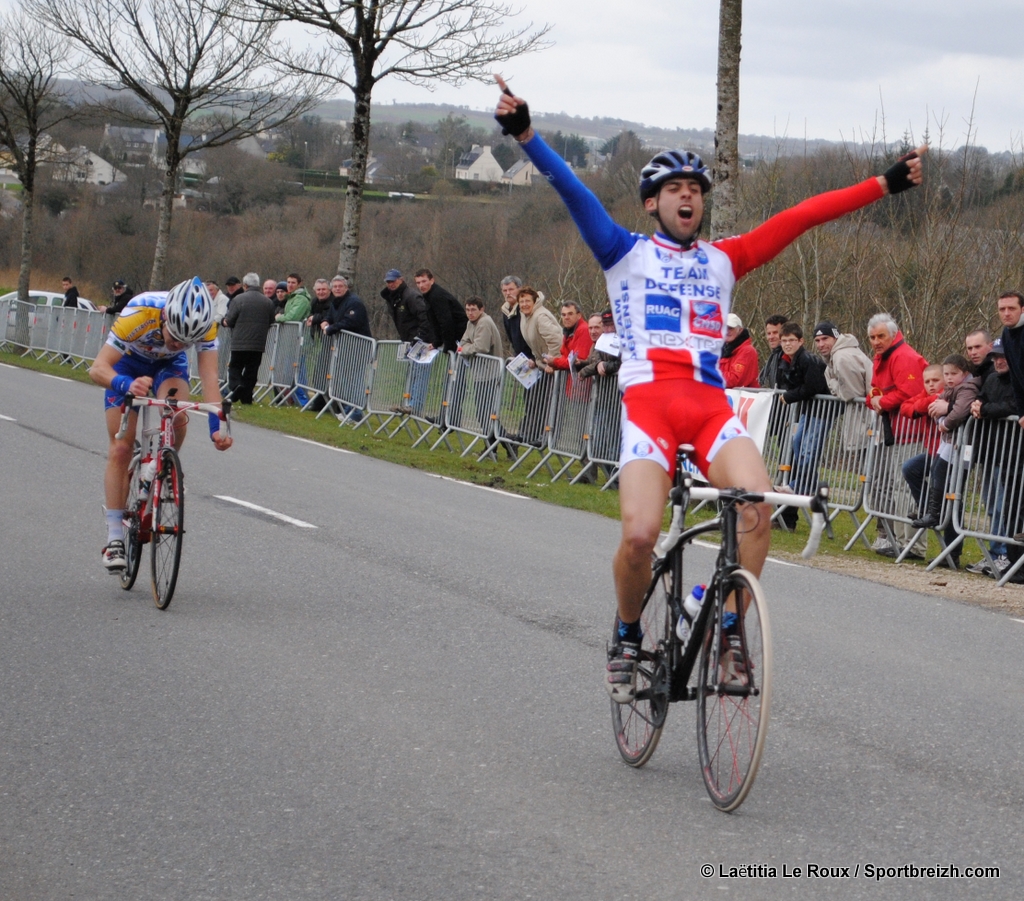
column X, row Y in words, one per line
column 264, row 377
column 990, row 492
column 471, row 406
column 604, row 428
column 887, row 497
column 223, row 356
column 312, row 378
column 523, row 423
column 350, row 376
column 570, row 406
column 411, row 393
column 284, row 362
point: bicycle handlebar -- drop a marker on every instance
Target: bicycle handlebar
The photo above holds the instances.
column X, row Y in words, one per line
column 817, row 503
column 221, row 410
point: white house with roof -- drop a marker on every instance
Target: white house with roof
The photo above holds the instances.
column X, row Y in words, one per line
column 479, row 165
column 521, row 173
column 81, row 165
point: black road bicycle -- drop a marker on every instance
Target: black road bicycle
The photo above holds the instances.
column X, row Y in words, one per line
column 732, row 707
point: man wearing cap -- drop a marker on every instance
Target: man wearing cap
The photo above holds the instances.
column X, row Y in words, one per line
column 739, row 362
column 409, row 312
column 847, row 367
column 120, row 296
column 848, row 375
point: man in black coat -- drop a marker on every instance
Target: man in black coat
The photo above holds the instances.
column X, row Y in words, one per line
column 346, row 312
column 120, row 295
column 447, row 318
column 409, row 312
column 250, row 315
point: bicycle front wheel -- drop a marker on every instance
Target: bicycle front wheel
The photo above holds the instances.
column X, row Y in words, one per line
column 132, row 529
column 734, row 697
column 168, row 505
column 638, row 725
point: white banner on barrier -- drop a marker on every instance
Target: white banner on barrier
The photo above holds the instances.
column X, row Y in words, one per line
column 752, row 408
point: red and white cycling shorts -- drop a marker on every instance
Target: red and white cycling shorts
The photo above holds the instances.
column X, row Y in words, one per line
column 659, row 416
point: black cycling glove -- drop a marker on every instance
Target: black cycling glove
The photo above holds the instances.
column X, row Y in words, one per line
column 897, row 175
column 515, row 123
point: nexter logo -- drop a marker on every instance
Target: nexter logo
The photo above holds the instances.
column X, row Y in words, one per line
column 706, row 319
column 663, row 313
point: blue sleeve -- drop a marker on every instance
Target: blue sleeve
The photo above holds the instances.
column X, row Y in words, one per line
column 608, row 241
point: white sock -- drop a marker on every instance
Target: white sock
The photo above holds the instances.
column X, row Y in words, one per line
column 115, row 525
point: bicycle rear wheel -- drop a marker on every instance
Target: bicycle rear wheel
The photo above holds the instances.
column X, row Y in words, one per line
column 168, row 507
column 732, row 709
column 132, row 528
column 638, row 725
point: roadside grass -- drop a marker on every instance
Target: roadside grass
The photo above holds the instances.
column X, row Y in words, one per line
column 399, row 450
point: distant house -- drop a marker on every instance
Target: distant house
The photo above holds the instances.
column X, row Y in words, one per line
column 132, row 146
column 260, row 148
column 521, row 173
column 81, row 166
column 373, row 169
column 479, row 165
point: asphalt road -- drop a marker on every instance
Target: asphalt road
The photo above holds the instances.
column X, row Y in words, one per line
column 404, row 702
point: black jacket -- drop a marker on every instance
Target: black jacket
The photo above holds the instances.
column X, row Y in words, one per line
column 250, row 315
column 513, row 331
column 769, row 375
column 318, row 312
column 117, row 304
column 802, row 377
column 347, row 314
column 996, row 396
column 409, row 312
column 447, row 318
column 71, row 297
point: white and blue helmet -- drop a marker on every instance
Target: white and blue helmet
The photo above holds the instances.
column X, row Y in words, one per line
column 189, row 311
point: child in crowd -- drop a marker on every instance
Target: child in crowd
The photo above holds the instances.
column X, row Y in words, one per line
column 802, row 376
column 915, row 470
column 949, row 411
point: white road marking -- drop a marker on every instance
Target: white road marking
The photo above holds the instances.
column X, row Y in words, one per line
column 715, row 547
column 7, row 418
column 435, row 475
column 288, row 519
column 59, row 378
column 1017, row 620
column 9, row 366
column 340, row 450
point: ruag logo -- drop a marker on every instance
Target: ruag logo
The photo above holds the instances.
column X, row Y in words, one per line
column 706, row 319
column 663, row 313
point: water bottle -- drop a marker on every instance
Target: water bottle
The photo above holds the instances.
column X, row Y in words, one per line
column 691, row 607
column 146, row 473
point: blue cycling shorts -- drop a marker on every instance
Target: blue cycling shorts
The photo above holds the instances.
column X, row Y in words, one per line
column 175, row 367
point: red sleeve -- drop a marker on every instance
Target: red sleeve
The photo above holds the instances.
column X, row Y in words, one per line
column 768, row 240
column 917, row 406
column 907, row 381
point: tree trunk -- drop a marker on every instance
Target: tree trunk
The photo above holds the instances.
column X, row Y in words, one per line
column 27, row 211
column 172, row 161
column 356, row 176
column 724, row 212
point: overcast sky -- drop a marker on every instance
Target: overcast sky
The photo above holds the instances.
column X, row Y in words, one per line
column 824, row 68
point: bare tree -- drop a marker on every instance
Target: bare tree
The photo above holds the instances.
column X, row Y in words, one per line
column 31, row 104
column 199, row 65
column 419, row 41
column 724, row 211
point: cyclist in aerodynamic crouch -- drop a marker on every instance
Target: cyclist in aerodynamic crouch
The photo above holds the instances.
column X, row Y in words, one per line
column 145, row 351
column 670, row 295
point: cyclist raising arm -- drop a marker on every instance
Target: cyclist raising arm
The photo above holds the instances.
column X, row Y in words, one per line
column 670, row 295
column 145, row 351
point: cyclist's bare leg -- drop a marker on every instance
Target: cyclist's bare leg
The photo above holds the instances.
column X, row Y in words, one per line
column 643, row 493
column 119, row 456
column 738, row 464
column 181, row 420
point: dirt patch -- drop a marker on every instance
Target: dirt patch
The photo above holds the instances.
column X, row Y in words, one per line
column 958, row 586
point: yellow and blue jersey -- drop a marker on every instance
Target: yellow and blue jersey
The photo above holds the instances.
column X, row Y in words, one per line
column 138, row 331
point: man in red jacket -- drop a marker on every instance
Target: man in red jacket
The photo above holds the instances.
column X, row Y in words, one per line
column 897, row 376
column 575, row 338
column 739, row 364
